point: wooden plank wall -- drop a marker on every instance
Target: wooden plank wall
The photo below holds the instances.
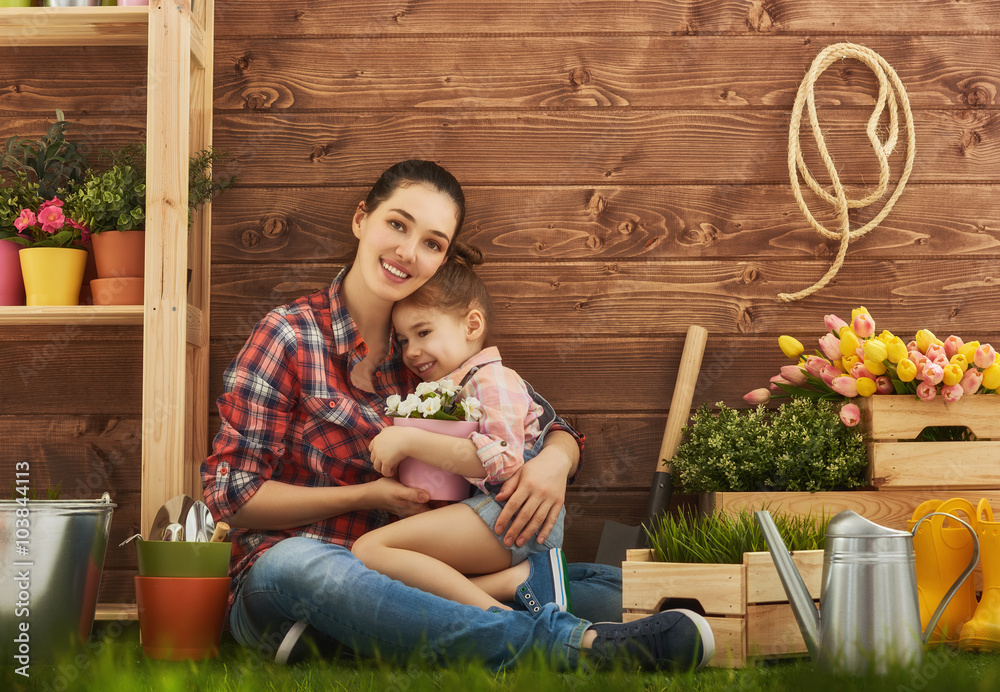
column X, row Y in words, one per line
column 625, row 168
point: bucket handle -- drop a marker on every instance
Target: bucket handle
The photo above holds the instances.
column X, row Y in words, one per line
column 961, row 578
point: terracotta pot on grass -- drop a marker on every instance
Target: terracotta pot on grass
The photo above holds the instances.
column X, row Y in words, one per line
column 181, row 617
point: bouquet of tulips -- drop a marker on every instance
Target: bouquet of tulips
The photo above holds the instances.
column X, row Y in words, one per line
column 853, row 361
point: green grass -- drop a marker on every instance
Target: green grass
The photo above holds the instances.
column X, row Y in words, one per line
column 116, row 663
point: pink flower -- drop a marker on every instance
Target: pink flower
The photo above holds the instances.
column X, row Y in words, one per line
column 794, row 374
column 920, row 360
column 863, row 325
column 985, row 356
column 775, row 381
column 27, row 218
column 926, row 390
column 952, row 345
column 757, row 396
column 933, row 351
column 845, row 386
column 971, row 380
column 815, row 364
column 830, row 372
column 932, row 373
column 883, row 385
column 941, row 360
column 84, row 231
column 54, row 202
column 952, row 392
column 830, row 346
column 859, row 370
column 850, row 415
column 51, row 217
column 834, row 323
column 912, row 346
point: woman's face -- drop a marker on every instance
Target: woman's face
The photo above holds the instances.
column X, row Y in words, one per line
column 404, row 240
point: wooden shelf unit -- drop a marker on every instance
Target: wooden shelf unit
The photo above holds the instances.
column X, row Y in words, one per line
column 175, row 328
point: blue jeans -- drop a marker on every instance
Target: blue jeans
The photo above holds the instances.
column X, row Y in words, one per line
column 325, row 585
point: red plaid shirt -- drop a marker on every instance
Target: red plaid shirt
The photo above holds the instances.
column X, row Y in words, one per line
column 291, row 414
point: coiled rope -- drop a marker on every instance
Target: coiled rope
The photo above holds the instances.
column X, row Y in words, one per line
column 890, row 92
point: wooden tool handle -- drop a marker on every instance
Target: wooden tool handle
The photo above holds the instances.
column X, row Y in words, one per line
column 220, row 533
column 680, row 404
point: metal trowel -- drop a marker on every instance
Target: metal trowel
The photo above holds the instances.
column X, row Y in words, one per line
column 171, row 512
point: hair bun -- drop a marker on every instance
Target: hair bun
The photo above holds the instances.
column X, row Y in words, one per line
column 469, row 255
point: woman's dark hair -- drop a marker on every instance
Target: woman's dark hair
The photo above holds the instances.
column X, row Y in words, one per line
column 412, row 171
column 455, row 287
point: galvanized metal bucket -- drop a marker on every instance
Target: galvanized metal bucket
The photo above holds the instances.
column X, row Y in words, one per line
column 53, row 557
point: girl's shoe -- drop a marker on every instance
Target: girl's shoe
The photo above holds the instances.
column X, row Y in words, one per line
column 547, row 582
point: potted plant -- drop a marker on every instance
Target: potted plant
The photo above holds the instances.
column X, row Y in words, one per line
column 433, row 407
column 719, row 565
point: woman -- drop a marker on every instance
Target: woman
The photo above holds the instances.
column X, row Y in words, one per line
column 290, row 472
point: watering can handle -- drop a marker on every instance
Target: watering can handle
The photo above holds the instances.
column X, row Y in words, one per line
column 961, row 578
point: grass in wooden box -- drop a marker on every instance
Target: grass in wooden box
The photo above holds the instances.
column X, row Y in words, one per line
column 745, row 604
column 897, row 462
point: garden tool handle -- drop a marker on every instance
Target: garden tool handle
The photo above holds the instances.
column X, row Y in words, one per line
column 220, row 532
column 680, row 404
column 961, row 578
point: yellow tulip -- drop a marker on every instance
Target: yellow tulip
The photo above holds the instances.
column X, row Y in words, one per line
column 960, row 360
column 969, row 350
column 906, row 370
column 839, row 364
column 848, row 342
column 886, row 336
column 875, row 350
column 991, row 376
column 925, row 337
column 790, row 346
column 848, row 362
column 866, row 386
column 895, row 350
column 875, row 367
column 952, row 374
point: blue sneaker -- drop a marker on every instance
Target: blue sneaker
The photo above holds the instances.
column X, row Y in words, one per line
column 673, row 640
column 547, row 582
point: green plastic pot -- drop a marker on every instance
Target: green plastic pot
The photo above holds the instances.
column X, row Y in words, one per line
column 183, row 558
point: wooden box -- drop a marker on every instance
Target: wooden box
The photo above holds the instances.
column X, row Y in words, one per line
column 897, row 462
column 745, row 604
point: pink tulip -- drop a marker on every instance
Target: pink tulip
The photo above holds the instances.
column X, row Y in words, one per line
column 912, row 346
column 919, row 359
column 794, row 374
column 834, row 323
column 850, row 415
column 933, row 351
column 815, row 364
column 971, row 380
column 952, row 392
column 932, row 373
column 941, row 360
column 757, row 396
column 830, row 346
column 952, row 345
column 859, row 370
column 863, row 325
column 985, row 356
column 926, row 390
column 829, row 373
column 883, row 385
column 845, row 385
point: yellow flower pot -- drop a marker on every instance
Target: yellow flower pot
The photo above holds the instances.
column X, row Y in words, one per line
column 52, row 275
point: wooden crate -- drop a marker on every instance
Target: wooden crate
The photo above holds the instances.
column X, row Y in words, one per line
column 896, row 462
column 745, row 604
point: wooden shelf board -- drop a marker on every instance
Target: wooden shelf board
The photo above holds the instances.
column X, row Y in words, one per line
column 116, row 611
column 74, row 26
column 72, row 314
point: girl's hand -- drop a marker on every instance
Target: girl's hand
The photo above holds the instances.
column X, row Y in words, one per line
column 535, row 494
column 388, row 448
column 394, row 497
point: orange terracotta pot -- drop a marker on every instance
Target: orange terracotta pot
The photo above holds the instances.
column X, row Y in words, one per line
column 181, row 618
column 126, row 290
column 119, row 253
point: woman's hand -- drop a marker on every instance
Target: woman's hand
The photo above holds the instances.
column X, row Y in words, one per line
column 394, row 497
column 535, row 494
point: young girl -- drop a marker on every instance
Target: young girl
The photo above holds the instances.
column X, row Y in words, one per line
column 441, row 329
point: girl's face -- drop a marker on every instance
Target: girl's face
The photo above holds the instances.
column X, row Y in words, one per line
column 404, row 240
column 436, row 342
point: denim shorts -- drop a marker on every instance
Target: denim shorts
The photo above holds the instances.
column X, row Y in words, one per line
column 489, row 509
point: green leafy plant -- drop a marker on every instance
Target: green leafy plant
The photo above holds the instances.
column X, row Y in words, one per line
column 114, row 199
column 52, row 161
column 202, row 185
column 722, row 539
column 800, row 446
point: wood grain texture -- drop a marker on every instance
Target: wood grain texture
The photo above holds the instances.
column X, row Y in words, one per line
column 627, row 146
column 292, row 225
column 578, row 72
column 696, row 17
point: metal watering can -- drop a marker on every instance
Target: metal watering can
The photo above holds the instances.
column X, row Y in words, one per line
column 869, row 617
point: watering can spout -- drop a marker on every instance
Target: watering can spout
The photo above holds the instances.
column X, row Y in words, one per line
column 798, row 595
